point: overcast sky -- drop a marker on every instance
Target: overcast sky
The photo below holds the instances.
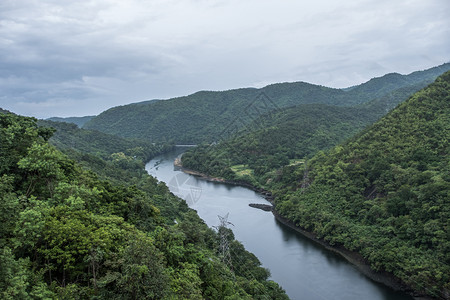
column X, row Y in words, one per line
column 75, row 58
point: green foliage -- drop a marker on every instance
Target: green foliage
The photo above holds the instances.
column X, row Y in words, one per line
column 140, row 274
column 68, row 137
column 205, row 116
column 274, row 139
column 9, row 209
column 112, row 158
column 44, row 166
column 18, row 281
column 79, row 121
column 16, row 136
column 384, row 193
column 90, row 223
column 68, row 233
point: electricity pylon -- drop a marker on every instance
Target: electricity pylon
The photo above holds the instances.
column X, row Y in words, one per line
column 224, row 246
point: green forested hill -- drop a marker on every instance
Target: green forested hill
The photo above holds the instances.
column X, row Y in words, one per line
column 68, row 137
column 198, row 117
column 66, row 234
column 384, row 193
column 110, row 156
column 203, row 116
column 79, row 121
column 378, row 87
column 277, row 139
column 287, row 136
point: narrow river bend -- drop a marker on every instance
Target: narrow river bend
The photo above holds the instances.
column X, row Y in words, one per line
column 303, row 268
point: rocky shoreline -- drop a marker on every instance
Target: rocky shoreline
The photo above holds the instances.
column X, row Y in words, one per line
column 353, row 257
column 264, row 207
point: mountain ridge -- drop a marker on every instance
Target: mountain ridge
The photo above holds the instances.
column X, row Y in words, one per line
column 79, row 121
column 202, row 116
column 383, row 193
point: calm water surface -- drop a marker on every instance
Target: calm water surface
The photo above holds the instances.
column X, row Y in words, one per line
column 303, row 268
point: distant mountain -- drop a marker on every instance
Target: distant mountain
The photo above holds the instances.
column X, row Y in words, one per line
column 379, row 87
column 206, row 116
column 274, row 139
column 288, row 136
column 79, row 121
column 4, row 111
column 293, row 133
column 384, row 193
column 203, row 116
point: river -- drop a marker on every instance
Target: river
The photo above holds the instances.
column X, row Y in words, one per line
column 303, row 268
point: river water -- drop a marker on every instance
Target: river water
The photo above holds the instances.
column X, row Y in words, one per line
column 303, row 268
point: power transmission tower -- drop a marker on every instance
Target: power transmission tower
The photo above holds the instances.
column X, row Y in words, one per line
column 224, row 246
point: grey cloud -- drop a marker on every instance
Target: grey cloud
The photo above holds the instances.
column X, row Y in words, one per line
column 75, row 57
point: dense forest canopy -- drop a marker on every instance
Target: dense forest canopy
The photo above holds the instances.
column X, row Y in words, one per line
column 81, row 218
column 68, row 137
column 67, row 234
column 384, row 193
column 277, row 139
column 203, row 116
column 79, row 121
column 288, row 136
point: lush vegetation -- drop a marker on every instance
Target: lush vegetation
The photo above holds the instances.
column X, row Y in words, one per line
column 286, row 136
column 110, row 157
column 384, row 193
column 277, row 139
column 67, row 234
column 68, row 137
column 82, row 219
column 209, row 116
column 79, row 121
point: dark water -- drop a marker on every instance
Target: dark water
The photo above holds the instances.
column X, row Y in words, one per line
column 304, row 269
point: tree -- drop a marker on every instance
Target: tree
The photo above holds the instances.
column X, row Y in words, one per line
column 44, row 166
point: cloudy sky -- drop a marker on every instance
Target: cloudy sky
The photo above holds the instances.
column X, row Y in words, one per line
column 75, row 58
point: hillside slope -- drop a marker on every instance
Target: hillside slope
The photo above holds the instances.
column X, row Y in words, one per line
column 385, row 193
column 79, row 121
column 66, row 234
column 278, row 139
column 68, row 137
column 378, row 87
column 204, row 116
column 287, row 136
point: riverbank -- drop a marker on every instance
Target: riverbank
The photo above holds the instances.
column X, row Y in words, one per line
column 177, row 163
column 265, row 193
column 354, row 258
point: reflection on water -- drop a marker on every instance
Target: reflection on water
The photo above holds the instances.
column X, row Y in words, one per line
column 303, row 268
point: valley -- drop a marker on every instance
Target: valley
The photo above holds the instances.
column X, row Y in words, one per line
column 362, row 170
